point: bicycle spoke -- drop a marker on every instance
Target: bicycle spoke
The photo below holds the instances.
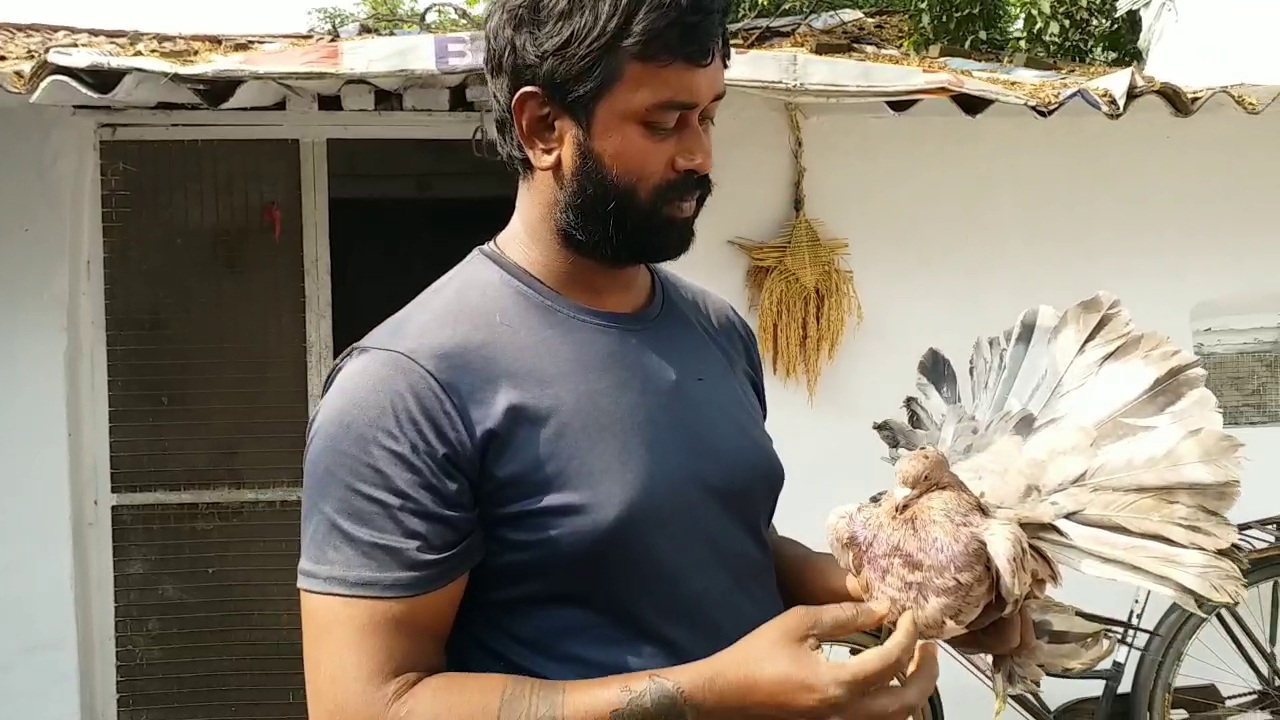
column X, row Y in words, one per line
column 1253, row 690
column 1220, row 668
column 1252, row 637
column 1267, row 654
column 1224, row 668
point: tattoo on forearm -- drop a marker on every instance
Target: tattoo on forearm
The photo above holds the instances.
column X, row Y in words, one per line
column 659, row 699
column 531, row 700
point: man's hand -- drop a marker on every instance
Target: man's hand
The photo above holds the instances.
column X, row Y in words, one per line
column 775, row 673
column 994, row 634
column 991, row 633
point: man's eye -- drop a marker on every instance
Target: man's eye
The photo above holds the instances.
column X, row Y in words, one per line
column 661, row 128
column 707, row 121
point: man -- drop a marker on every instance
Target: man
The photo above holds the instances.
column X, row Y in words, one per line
column 544, row 488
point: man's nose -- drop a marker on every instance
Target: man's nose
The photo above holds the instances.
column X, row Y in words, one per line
column 694, row 153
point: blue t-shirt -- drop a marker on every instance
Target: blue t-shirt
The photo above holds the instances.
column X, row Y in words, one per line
column 605, row 478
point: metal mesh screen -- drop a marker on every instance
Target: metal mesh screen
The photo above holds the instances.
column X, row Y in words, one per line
column 207, row 623
column 206, row 334
column 1247, row 386
column 207, row 384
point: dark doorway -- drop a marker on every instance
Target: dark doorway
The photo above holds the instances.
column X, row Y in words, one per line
column 401, row 214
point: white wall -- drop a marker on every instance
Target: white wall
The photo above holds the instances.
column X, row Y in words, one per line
column 955, row 227
column 46, row 169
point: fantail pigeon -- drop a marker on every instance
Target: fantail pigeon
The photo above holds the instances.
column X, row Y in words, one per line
column 1086, row 443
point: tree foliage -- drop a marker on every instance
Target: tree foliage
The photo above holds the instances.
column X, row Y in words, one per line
column 1079, row 30
column 763, row 9
column 383, row 17
column 969, row 24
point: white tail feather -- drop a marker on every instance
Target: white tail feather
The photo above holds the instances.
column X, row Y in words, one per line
column 1200, row 574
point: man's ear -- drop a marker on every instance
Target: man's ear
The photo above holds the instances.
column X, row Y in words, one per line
column 540, row 128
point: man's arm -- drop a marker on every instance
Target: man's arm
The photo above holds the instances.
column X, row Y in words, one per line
column 808, row 577
column 383, row 659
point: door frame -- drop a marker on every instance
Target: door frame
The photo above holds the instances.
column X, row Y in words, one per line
column 90, row 436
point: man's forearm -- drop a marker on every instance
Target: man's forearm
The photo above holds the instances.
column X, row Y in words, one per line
column 805, row 576
column 678, row 693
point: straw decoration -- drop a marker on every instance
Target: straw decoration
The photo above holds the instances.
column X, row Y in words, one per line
column 800, row 288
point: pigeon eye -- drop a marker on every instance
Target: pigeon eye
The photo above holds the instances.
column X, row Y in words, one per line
column 879, row 496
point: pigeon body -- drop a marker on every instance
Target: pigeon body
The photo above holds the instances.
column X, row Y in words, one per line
column 1086, row 444
column 929, row 555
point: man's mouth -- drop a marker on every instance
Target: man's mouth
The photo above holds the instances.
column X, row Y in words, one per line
column 684, row 208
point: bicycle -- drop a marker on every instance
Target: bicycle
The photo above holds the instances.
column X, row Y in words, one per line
column 1156, row 692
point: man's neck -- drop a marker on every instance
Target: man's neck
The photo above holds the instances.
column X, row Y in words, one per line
column 530, row 241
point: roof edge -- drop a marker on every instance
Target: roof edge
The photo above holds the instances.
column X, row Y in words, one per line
column 426, row 66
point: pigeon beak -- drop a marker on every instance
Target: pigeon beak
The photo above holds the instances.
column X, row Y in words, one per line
column 900, row 494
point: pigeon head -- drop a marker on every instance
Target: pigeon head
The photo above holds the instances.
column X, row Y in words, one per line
column 919, row 472
column 922, row 467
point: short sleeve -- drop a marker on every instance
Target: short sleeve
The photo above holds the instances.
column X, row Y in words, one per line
column 388, row 508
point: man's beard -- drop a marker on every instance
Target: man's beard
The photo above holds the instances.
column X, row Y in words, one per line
column 602, row 219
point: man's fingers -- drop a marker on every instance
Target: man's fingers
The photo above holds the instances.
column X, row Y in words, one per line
column 840, row 620
column 1000, row 637
column 855, row 587
column 902, row 700
column 1028, row 636
column 884, row 662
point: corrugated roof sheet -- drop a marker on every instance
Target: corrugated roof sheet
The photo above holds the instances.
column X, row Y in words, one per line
column 76, row 67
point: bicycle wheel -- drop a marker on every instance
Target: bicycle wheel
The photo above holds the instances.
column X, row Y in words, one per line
column 843, row 650
column 1185, row 671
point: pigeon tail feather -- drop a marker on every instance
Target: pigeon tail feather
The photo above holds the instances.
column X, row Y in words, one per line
column 1103, row 443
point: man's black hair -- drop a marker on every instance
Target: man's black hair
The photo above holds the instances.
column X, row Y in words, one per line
column 574, row 50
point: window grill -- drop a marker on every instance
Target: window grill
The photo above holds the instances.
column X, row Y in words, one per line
column 207, row 388
column 1247, row 387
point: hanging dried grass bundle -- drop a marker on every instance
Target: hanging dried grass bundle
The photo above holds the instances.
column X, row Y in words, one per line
column 800, row 289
